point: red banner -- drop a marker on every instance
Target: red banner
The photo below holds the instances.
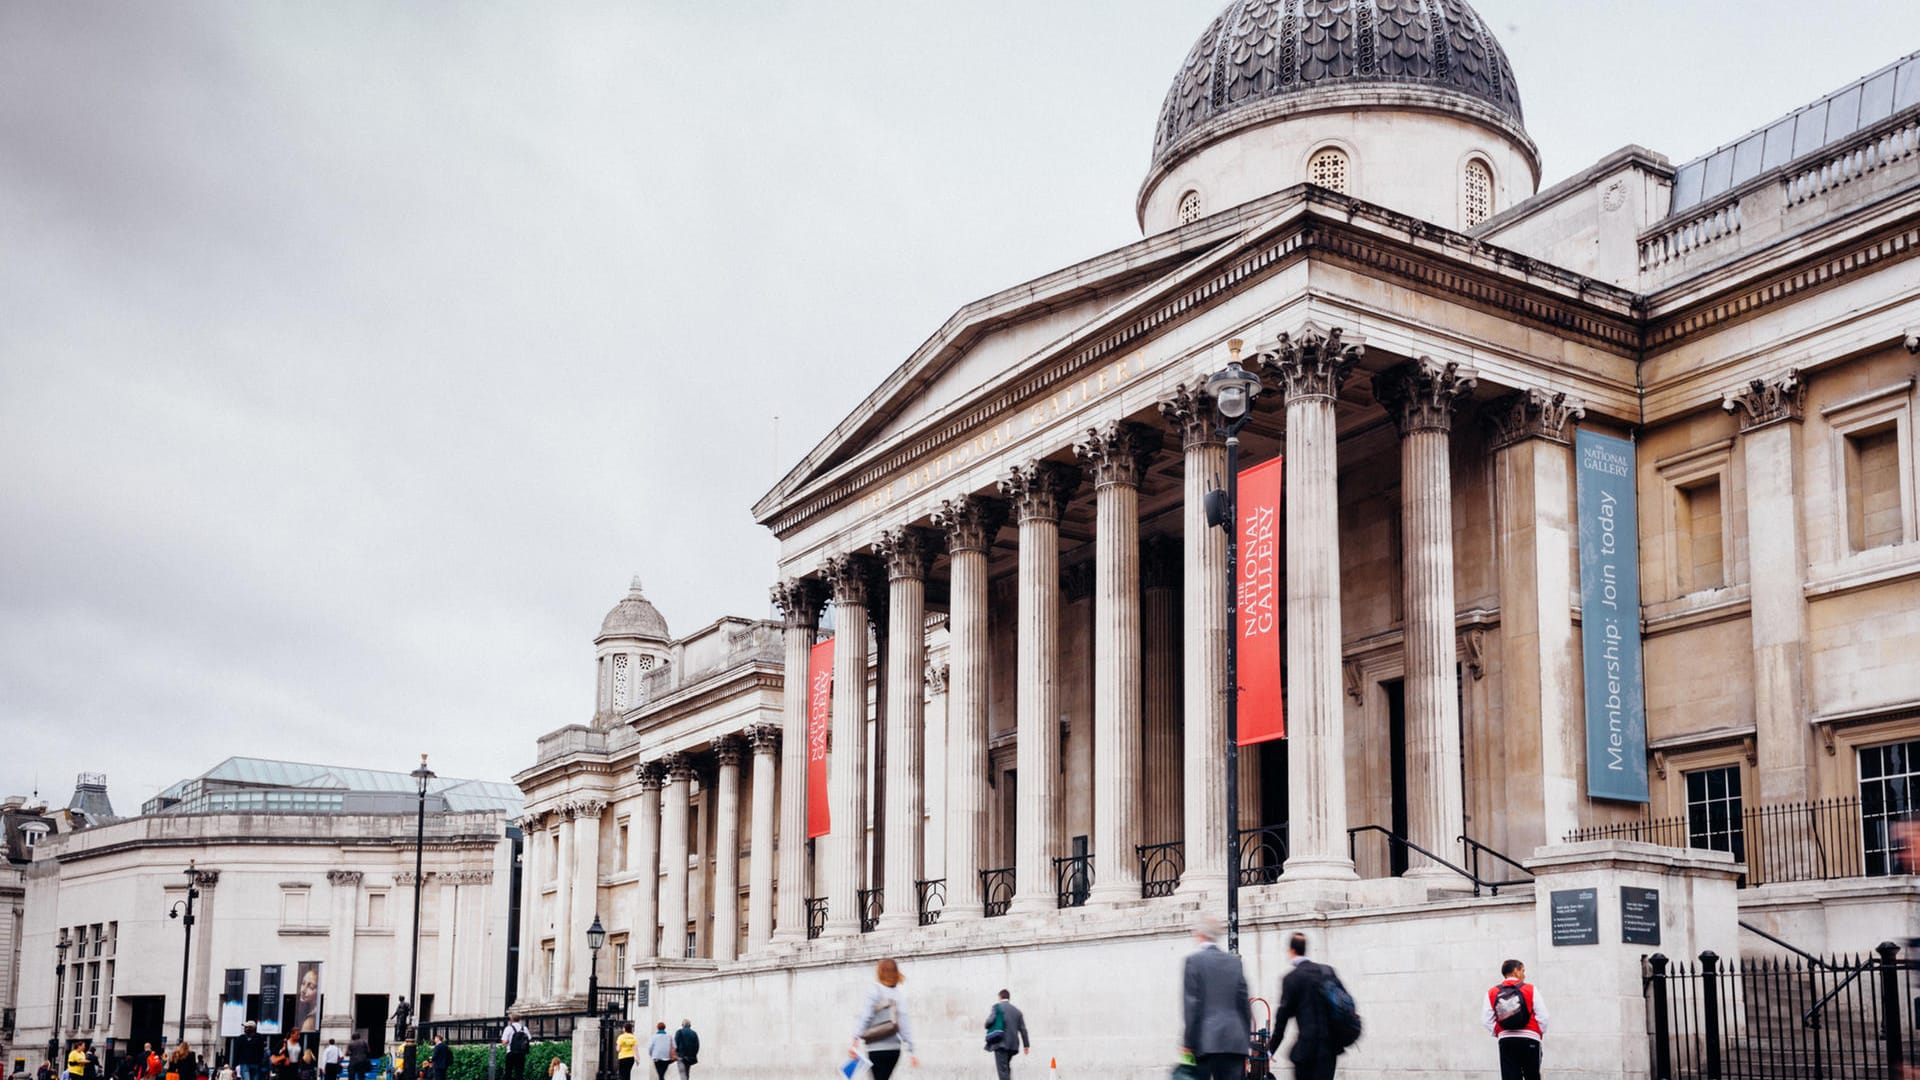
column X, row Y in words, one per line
column 819, row 723
column 1257, row 606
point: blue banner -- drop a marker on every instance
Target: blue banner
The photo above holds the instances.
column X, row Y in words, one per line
column 1610, row 618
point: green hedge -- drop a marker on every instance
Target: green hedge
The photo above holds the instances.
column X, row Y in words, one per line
column 470, row 1061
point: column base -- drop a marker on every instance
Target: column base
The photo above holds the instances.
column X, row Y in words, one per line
column 1319, row 868
column 892, row 923
column 1434, row 874
column 954, row 913
column 1033, row 905
column 840, row 929
column 1201, row 884
column 1115, row 892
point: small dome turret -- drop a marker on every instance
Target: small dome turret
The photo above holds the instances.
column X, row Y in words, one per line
column 635, row 616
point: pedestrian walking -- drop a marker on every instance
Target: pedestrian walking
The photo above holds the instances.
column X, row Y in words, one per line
column 359, row 1056
column 443, row 1057
column 1517, row 1019
column 330, row 1057
column 1217, row 1014
column 250, row 1052
column 1007, row 1034
column 623, row 1050
column 660, row 1050
column 1322, row 1011
column 181, row 1064
column 686, row 1048
column 517, row 1039
column 77, row 1060
column 882, row 1023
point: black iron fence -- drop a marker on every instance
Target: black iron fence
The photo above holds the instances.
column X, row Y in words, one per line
column 1839, row 1018
column 872, row 904
column 1263, row 854
column 996, row 890
column 1072, row 880
column 1161, row 866
column 1807, row 841
column 816, row 916
column 932, row 899
column 541, row 1027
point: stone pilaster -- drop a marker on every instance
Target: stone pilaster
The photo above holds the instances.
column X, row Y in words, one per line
column 673, row 857
column 799, row 600
column 564, row 942
column 1192, row 414
column 585, row 892
column 1421, row 396
column 643, row 935
column 1160, row 753
column 726, row 850
column 1770, row 414
column 1115, row 456
column 907, row 553
column 1309, row 371
column 1038, row 492
column 533, row 841
column 970, row 523
column 1530, row 432
column 765, row 741
column 851, row 577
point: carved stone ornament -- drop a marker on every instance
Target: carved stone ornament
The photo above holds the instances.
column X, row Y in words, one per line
column 907, row 551
column 1039, row 490
column 1421, row 395
column 1191, row 413
column 1761, row 403
column 764, row 738
column 936, row 679
column 1532, row 414
column 1313, row 364
column 851, row 577
column 679, row 768
column 970, row 521
column 726, row 750
column 800, row 600
column 585, row 808
column 1161, row 560
column 1473, row 651
column 533, row 821
column 1660, row 764
column 408, row 877
column 1117, row 452
column 650, row 775
column 344, row 877
column 467, row 877
column 206, row 879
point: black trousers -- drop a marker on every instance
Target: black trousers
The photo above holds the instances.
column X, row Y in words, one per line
column 883, row 1062
column 1519, row 1059
column 1315, row 1067
column 516, row 1065
column 1222, row 1066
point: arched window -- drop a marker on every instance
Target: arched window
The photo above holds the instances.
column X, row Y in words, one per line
column 1328, row 169
column 1189, row 208
column 1476, row 194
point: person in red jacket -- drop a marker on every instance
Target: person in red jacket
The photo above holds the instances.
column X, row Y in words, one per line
column 1515, row 1016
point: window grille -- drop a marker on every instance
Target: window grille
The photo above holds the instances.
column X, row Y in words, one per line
column 1328, row 169
column 1189, row 208
column 1476, row 194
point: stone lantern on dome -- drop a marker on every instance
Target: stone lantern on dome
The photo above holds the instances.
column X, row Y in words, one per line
column 633, row 641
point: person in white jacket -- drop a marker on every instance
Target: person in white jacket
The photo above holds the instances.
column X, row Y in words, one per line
column 885, row 1005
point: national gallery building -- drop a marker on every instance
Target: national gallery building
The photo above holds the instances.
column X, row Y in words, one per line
column 1593, row 569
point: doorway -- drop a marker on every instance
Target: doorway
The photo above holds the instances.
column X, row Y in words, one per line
column 146, row 1022
column 1396, row 691
column 370, row 1015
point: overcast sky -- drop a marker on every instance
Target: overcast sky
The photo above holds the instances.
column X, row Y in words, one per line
column 353, row 356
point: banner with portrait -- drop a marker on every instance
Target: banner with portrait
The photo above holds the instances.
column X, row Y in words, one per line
column 306, row 999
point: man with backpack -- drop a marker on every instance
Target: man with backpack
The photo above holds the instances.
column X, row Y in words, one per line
column 1323, row 1013
column 1515, row 1017
column 517, row 1039
column 1006, row 1034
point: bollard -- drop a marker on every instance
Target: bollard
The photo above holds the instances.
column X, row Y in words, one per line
column 1662, row 1037
column 1710, row 1005
column 1892, row 1016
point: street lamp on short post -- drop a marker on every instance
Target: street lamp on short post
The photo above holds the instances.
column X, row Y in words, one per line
column 596, row 937
column 183, row 910
column 423, row 776
column 1233, row 389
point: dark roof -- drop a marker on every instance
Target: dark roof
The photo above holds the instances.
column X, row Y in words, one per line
column 1259, row 51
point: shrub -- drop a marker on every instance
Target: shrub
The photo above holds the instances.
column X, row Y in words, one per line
column 470, row 1060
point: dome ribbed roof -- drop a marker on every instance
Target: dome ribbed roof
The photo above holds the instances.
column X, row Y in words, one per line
column 635, row 616
column 1261, row 51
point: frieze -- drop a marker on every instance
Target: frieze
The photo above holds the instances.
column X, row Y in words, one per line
column 1531, row 414
column 1760, row 403
column 1422, row 395
column 970, row 522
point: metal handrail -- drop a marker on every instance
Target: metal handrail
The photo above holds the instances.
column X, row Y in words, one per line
column 1812, row 1017
column 1475, row 849
column 1788, row 945
column 1493, row 886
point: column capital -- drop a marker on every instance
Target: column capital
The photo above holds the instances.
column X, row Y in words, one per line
column 1039, row 490
column 344, row 877
column 907, row 551
column 1191, row 413
column 970, row 521
column 1760, row 402
column 679, row 768
column 851, row 578
column 1116, row 452
column 1421, row 395
column 764, row 738
column 800, row 600
column 1531, row 414
column 936, row 679
column 1160, row 562
column 726, row 750
column 650, row 774
column 1313, row 364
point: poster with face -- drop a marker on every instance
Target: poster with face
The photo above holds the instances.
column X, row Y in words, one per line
column 306, row 1002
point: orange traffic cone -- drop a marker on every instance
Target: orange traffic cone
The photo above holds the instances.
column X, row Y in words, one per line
column 1053, row 1069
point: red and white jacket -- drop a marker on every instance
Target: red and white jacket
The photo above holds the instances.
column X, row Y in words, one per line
column 1536, row 1027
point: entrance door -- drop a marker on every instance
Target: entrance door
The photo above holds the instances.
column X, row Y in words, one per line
column 147, row 1022
column 1396, row 691
column 370, row 1014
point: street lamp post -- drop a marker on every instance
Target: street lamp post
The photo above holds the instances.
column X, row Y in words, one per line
column 596, row 937
column 423, row 776
column 183, row 910
column 59, row 991
column 1233, row 388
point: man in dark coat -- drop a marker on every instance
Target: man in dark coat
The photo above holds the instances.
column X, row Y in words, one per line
column 359, row 1057
column 686, row 1048
column 1218, row 1015
column 442, row 1058
column 1302, row 1001
column 1013, row 1034
column 249, row 1053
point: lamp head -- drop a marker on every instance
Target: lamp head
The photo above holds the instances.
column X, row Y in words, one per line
column 1234, row 387
column 596, row 934
column 423, row 775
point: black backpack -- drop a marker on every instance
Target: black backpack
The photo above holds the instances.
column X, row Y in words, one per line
column 1343, row 1017
column 1510, row 1010
column 520, row 1041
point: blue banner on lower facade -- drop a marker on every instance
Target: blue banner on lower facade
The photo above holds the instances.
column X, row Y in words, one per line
column 1610, row 618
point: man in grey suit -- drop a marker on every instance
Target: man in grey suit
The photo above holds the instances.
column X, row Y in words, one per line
column 1007, row 1019
column 1219, row 1018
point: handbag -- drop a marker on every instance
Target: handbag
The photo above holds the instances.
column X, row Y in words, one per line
column 882, row 1029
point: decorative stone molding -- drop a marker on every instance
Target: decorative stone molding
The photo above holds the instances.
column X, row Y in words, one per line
column 1076, row 581
column 1161, row 562
column 1473, row 651
column 970, row 521
column 1761, row 403
column 851, row 578
column 467, row 877
column 937, row 679
column 1660, row 764
column 678, row 767
column 764, row 738
column 727, row 750
column 1190, row 412
column 578, row 808
column 1421, row 395
column 407, row 877
column 1039, row 490
column 1315, row 364
column 650, row 775
column 344, row 877
column 206, row 879
column 532, row 821
column 1117, row 452
column 1531, row 414
column 907, row 552
column 800, row 600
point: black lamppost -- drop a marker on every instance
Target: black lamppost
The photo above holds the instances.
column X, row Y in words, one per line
column 1233, row 389
column 59, row 992
column 183, row 910
column 423, row 776
column 596, row 937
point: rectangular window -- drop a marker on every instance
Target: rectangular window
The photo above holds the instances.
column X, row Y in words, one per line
column 1699, row 542
column 693, row 942
column 376, row 909
column 1714, row 811
column 621, row 859
column 1873, row 488
column 93, row 993
column 620, row 960
column 553, row 863
column 546, row 958
column 1702, row 563
column 293, row 907
column 1889, row 778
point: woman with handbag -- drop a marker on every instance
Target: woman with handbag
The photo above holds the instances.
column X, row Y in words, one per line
column 882, row 1023
column 181, row 1064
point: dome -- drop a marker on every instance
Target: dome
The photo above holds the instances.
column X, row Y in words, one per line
column 1271, row 53
column 635, row 616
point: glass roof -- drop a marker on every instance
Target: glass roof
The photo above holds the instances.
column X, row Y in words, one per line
column 262, row 772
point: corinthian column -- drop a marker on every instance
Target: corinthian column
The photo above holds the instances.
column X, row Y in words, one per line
column 1039, row 492
column 850, row 576
column 726, row 851
column 1160, row 688
column 1309, row 372
column 673, row 853
column 645, row 933
column 765, row 740
column 1421, row 397
column 907, row 553
column 1191, row 413
column 799, row 600
column 1116, row 455
column 970, row 522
